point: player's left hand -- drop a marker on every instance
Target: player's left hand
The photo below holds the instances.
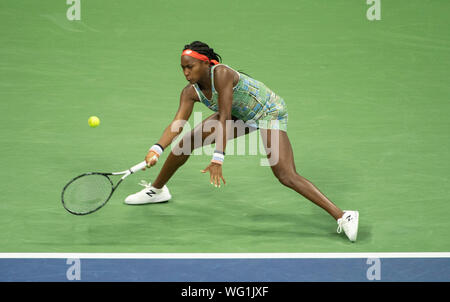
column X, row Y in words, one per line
column 215, row 172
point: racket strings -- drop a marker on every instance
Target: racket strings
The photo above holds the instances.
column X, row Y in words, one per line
column 87, row 193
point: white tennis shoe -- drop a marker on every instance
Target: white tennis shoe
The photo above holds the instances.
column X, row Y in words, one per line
column 149, row 195
column 349, row 223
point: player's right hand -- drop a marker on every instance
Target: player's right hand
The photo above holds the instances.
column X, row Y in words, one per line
column 151, row 159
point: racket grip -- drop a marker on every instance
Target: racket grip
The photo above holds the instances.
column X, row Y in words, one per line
column 138, row 167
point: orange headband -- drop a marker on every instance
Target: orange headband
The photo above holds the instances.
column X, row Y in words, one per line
column 194, row 54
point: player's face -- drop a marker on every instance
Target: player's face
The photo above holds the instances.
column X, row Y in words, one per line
column 193, row 68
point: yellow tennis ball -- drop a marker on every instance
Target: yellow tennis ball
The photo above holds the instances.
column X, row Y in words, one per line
column 93, row 121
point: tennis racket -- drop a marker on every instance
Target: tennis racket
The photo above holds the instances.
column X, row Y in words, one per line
column 89, row 192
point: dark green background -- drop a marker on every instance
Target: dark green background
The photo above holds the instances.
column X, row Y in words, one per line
column 368, row 120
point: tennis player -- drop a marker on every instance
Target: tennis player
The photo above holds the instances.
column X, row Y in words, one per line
column 233, row 96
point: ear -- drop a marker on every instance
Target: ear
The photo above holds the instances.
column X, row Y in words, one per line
column 205, row 64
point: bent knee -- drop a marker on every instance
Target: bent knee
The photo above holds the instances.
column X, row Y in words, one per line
column 286, row 178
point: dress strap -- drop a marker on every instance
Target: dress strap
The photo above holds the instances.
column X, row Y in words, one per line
column 197, row 90
column 213, row 89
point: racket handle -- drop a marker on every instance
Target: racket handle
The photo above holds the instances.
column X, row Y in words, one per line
column 138, row 167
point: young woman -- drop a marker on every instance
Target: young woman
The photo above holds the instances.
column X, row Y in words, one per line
column 234, row 96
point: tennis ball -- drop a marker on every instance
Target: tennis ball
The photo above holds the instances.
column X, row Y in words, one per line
column 93, row 121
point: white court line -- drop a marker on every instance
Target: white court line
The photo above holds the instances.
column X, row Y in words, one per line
column 222, row 255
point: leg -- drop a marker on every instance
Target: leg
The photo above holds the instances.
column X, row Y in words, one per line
column 281, row 159
column 173, row 161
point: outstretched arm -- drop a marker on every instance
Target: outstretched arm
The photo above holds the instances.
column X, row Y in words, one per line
column 223, row 81
column 174, row 128
column 224, row 86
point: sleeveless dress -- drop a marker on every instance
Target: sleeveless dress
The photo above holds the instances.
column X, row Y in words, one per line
column 253, row 102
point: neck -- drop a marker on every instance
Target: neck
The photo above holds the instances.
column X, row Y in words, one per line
column 205, row 82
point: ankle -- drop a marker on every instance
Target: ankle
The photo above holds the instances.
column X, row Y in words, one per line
column 339, row 215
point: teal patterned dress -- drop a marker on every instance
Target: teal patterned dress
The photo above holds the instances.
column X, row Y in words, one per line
column 253, row 102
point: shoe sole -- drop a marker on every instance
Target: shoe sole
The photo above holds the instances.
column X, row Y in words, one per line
column 357, row 224
column 144, row 203
column 149, row 202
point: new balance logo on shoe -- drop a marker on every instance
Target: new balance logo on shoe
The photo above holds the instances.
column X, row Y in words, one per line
column 149, row 193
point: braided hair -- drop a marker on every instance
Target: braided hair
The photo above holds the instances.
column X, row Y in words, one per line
column 204, row 49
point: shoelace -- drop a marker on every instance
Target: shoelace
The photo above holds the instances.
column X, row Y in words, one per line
column 145, row 184
column 340, row 223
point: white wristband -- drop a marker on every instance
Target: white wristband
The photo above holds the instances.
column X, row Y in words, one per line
column 218, row 158
column 157, row 148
